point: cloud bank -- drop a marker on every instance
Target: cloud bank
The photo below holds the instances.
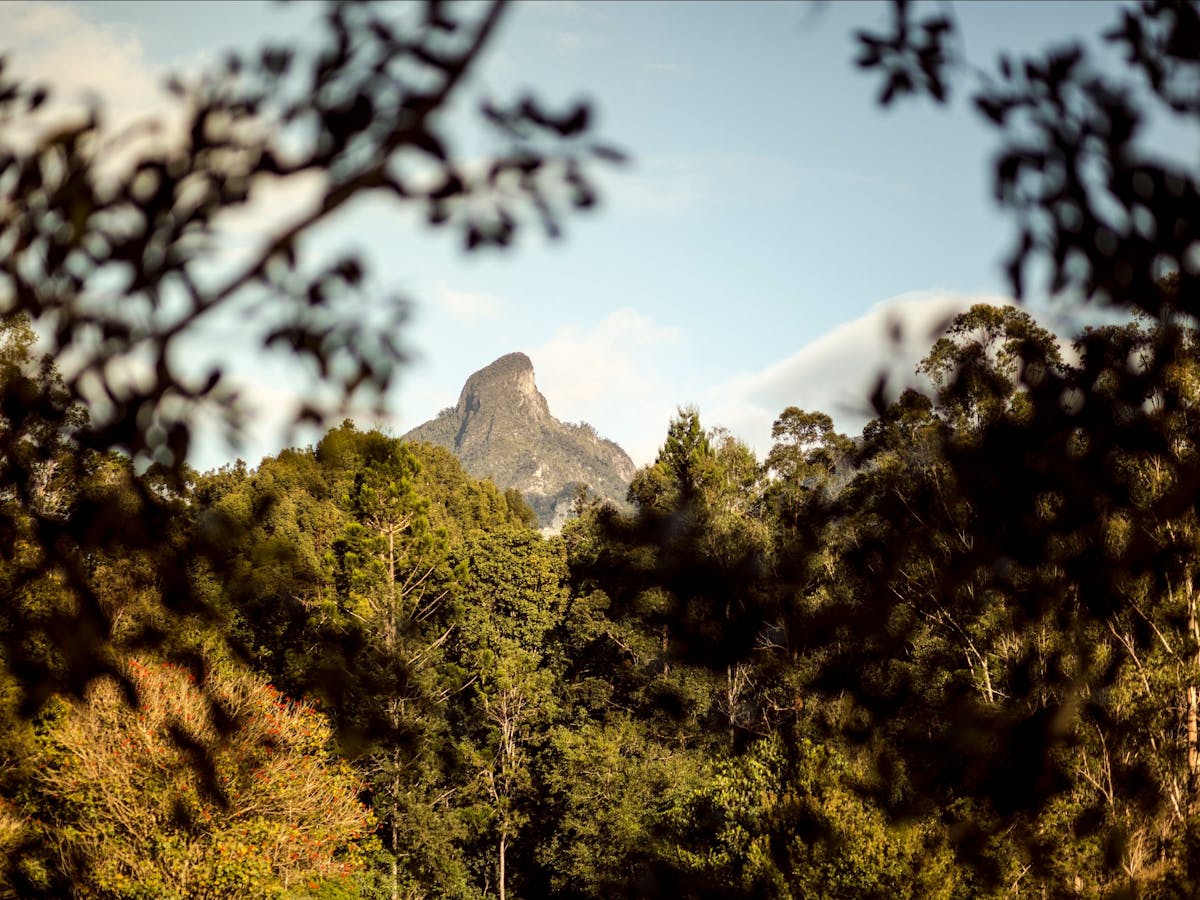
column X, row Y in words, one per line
column 837, row 373
column 83, row 60
column 610, row 377
column 89, row 65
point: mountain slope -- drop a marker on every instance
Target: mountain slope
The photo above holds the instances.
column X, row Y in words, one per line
column 501, row 428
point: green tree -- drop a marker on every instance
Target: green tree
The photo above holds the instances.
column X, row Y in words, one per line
column 607, row 781
column 513, row 600
column 680, row 467
column 804, row 442
column 1138, row 733
column 395, row 572
column 804, row 459
column 979, row 366
column 771, row 822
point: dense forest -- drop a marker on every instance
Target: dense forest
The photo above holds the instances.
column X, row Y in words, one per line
column 955, row 656
column 791, row 677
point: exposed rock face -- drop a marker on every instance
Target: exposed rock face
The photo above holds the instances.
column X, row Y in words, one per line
column 502, row 429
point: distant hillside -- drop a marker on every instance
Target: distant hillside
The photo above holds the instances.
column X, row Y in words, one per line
column 502, row 429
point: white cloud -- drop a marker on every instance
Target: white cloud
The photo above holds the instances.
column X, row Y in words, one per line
column 861, row 182
column 609, row 376
column 566, row 40
column 679, row 184
column 274, row 205
column 658, row 186
column 469, row 306
column 86, row 64
column 838, row 372
column 678, row 70
column 567, row 9
column 271, row 401
column 52, row 42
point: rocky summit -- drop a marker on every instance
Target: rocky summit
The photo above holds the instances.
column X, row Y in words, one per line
column 501, row 428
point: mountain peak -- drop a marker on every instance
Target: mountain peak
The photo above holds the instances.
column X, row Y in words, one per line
column 501, row 428
column 497, row 401
column 510, row 363
column 509, row 380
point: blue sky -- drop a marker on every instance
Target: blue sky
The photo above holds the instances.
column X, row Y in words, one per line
column 772, row 220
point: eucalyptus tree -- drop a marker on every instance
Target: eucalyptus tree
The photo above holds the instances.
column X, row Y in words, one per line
column 513, row 599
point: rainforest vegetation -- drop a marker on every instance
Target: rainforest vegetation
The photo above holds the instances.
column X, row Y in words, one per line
column 957, row 655
column 810, row 676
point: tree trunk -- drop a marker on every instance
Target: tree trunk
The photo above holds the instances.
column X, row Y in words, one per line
column 1192, row 755
column 391, row 603
column 1193, row 702
column 988, row 693
column 731, row 700
column 395, row 837
column 503, row 849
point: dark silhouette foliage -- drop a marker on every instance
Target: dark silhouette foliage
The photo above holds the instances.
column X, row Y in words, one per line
column 990, row 510
column 108, row 253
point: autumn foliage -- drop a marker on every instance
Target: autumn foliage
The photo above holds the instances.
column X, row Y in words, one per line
column 223, row 792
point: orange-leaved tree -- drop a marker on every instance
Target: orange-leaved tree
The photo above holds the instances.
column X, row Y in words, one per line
column 219, row 789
